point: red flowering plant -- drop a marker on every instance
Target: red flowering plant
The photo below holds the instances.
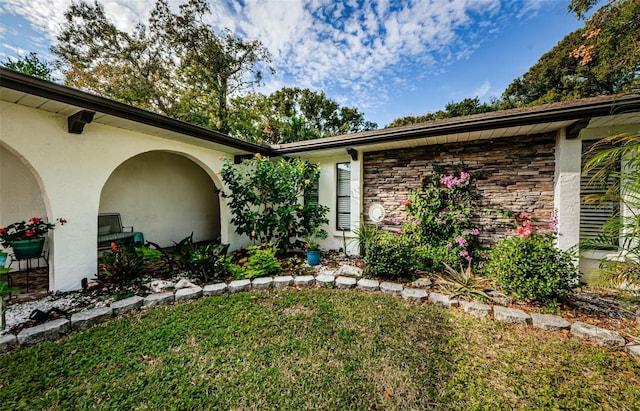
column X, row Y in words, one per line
column 24, row 230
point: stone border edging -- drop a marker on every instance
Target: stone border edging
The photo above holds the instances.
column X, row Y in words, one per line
column 83, row 320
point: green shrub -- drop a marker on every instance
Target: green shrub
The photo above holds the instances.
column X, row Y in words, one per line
column 532, row 268
column 262, row 261
column 122, row 264
column 436, row 257
column 270, row 201
column 390, row 257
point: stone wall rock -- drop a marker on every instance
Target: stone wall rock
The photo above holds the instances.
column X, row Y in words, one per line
column 512, row 174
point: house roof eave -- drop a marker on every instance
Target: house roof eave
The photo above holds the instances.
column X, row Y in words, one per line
column 34, row 86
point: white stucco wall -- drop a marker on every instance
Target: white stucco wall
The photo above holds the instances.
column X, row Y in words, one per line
column 17, row 181
column 165, row 196
column 73, row 170
column 328, row 197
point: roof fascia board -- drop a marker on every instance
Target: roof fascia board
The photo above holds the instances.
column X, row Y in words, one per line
column 45, row 89
column 535, row 116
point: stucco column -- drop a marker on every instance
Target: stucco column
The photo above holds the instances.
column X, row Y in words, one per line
column 567, row 189
column 73, row 251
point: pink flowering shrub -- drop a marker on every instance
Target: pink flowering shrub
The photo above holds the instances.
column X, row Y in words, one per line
column 438, row 220
column 529, row 266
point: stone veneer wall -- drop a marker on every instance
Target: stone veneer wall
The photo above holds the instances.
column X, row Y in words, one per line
column 514, row 174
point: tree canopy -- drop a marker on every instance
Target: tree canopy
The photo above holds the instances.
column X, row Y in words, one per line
column 294, row 114
column 601, row 58
column 30, row 64
column 176, row 64
column 465, row 107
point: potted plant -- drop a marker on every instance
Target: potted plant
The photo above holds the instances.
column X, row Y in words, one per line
column 313, row 248
column 3, row 258
column 26, row 238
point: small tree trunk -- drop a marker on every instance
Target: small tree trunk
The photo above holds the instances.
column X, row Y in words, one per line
column 3, row 311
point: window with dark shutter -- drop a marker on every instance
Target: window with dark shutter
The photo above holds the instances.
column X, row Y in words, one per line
column 594, row 215
column 343, row 218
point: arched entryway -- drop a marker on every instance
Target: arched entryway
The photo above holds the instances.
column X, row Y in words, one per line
column 164, row 195
column 21, row 198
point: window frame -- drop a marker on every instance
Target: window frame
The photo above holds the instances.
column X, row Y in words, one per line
column 340, row 196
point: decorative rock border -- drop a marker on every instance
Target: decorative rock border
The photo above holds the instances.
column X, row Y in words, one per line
column 53, row 330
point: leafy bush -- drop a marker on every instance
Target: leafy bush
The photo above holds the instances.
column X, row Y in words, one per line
column 264, row 199
column 389, row 256
column 262, row 261
column 205, row 261
column 532, row 268
column 122, row 264
column 438, row 220
column 436, row 257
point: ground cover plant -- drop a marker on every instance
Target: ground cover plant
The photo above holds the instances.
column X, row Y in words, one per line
column 319, row 349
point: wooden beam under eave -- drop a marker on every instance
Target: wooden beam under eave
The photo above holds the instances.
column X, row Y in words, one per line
column 76, row 122
column 573, row 131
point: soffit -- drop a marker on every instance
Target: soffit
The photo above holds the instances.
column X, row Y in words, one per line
column 65, row 109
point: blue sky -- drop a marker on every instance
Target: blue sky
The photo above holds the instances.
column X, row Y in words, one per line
column 388, row 58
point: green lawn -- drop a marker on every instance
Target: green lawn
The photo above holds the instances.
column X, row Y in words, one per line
column 320, row 349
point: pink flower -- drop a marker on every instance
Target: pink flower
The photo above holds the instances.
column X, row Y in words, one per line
column 449, row 245
column 461, row 241
column 405, row 202
column 464, row 253
column 475, row 231
column 468, row 258
column 482, row 255
column 523, row 215
column 524, row 232
column 395, row 220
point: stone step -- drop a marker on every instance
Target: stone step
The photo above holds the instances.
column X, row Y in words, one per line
column 345, row 282
column 8, row 342
column 262, row 283
column 325, row 280
column 127, row 305
column 511, row 315
column 188, row 294
column 304, row 281
column 86, row 319
column 214, row 289
column 49, row 331
column 391, row 288
column 156, row 300
column 443, row 300
column 368, row 285
column 414, row 294
column 549, row 322
column 476, row 309
column 597, row 335
column 282, row 281
column 238, row 286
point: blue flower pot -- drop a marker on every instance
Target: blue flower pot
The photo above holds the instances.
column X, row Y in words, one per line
column 3, row 260
column 313, row 257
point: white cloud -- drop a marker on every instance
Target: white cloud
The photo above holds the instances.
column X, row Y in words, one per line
column 482, row 91
column 359, row 49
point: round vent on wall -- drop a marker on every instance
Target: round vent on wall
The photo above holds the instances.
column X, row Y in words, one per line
column 376, row 212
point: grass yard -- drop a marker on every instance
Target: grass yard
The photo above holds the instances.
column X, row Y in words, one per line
column 320, row 349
